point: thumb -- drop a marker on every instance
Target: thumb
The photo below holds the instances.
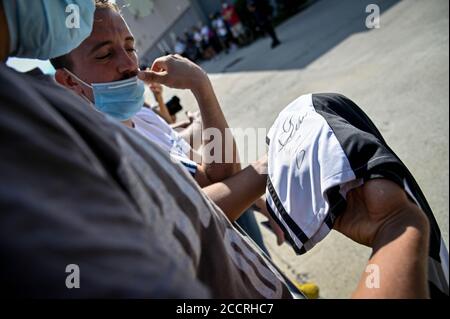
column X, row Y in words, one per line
column 151, row 77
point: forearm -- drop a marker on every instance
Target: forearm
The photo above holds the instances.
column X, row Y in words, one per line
column 399, row 257
column 178, row 72
column 222, row 166
column 182, row 124
column 163, row 111
column 238, row 192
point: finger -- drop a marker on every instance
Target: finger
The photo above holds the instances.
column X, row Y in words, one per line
column 278, row 232
column 280, row 237
column 156, row 86
column 149, row 77
column 160, row 64
column 178, row 57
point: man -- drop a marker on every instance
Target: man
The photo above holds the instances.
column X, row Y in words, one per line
column 262, row 15
column 81, row 190
column 231, row 17
column 108, row 56
column 221, row 31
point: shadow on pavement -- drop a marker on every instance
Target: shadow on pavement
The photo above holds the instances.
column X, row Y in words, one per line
column 305, row 37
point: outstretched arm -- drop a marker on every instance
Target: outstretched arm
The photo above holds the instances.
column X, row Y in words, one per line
column 380, row 215
column 238, row 192
column 157, row 90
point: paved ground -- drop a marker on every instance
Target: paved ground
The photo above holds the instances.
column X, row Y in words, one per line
column 398, row 74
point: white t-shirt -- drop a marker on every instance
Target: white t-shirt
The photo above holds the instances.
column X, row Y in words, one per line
column 153, row 127
column 220, row 27
column 197, row 37
column 205, row 33
column 180, row 47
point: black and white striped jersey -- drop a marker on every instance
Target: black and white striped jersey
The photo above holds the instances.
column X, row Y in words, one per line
column 320, row 147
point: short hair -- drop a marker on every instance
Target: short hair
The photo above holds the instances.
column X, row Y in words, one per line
column 64, row 61
column 106, row 4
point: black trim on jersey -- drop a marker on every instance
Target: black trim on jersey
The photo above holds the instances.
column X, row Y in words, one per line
column 287, row 219
column 368, row 154
column 337, row 205
column 288, row 238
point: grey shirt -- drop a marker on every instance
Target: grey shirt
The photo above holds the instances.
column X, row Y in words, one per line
column 78, row 188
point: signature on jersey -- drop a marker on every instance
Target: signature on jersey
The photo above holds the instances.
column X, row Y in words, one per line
column 291, row 132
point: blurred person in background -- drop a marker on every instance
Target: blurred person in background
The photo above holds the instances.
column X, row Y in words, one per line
column 180, row 46
column 221, row 31
column 231, row 17
column 207, row 38
column 198, row 40
column 262, row 14
column 191, row 51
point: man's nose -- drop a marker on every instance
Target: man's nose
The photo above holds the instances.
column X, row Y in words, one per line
column 127, row 65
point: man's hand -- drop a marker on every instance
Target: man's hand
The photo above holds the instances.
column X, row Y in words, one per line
column 176, row 72
column 238, row 192
column 262, row 208
column 193, row 116
column 370, row 208
column 156, row 89
column 380, row 215
column 180, row 73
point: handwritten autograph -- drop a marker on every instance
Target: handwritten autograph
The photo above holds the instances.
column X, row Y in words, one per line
column 291, row 127
column 290, row 130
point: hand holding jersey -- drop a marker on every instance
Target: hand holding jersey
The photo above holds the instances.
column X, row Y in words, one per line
column 329, row 167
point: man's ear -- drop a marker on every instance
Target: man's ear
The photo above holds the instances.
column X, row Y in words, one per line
column 65, row 79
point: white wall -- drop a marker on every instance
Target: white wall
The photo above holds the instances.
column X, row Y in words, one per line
column 148, row 29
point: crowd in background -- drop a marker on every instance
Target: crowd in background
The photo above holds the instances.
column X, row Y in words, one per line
column 236, row 25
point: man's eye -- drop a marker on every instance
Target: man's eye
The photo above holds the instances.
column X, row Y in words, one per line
column 103, row 56
column 131, row 50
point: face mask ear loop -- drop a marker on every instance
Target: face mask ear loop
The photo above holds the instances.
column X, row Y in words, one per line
column 78, row 79
column 82, row 96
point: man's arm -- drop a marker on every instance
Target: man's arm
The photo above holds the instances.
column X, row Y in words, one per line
column 380, row 215
column 181, row 124
column 400, row 253
column 177, row 72
column 213, row 118
column 157, row 89
column 238, row 192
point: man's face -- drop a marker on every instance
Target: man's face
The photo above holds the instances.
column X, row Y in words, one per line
column 107, row 55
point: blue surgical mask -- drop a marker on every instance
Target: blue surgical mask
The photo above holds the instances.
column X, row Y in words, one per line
column 119, row 99
column 45, row 29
